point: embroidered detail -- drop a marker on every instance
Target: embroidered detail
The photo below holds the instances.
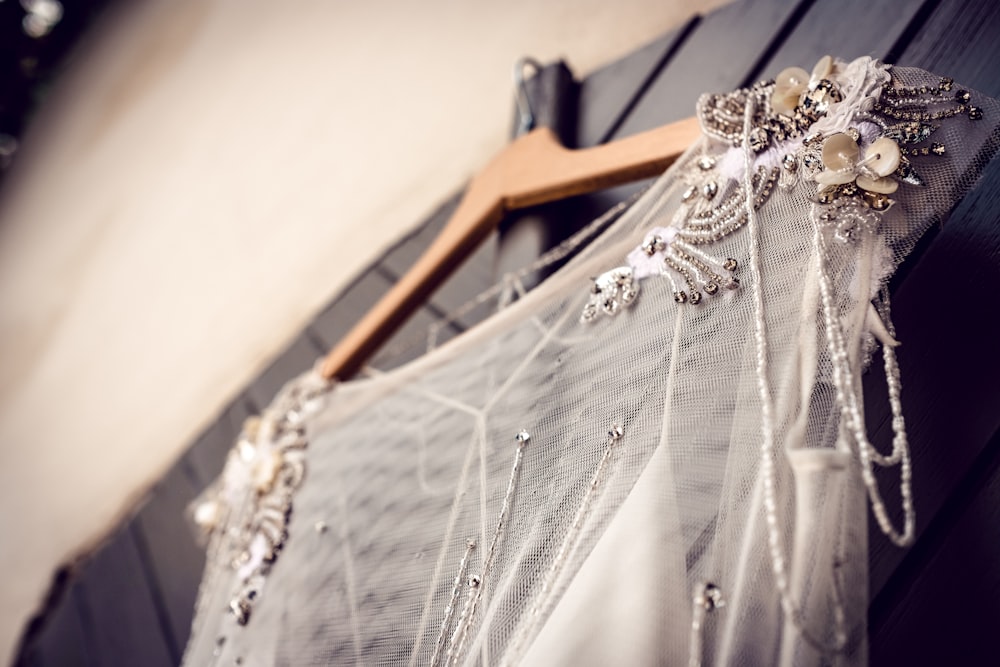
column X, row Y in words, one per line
column 855, row 183
column 784, row 108
column 254, row 497
column 675, row 251
column 610, row 291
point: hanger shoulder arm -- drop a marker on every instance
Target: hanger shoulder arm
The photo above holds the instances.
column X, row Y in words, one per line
column 551, row 171
column 479, row 212
column 534, row 169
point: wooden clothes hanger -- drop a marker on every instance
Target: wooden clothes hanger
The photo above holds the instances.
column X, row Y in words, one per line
column 534, row 169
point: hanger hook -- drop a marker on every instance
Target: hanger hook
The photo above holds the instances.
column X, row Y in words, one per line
column 527, row 116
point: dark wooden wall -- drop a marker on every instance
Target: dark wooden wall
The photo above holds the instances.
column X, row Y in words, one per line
column 936, row 603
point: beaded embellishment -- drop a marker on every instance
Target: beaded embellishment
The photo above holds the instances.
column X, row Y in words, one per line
column 855, row 171
column 254, row 499
column 677, row 251
column 854, row 182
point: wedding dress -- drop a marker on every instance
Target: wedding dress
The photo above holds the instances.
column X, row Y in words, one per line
column 658, row 456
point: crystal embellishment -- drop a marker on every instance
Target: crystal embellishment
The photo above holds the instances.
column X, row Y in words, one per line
column 610, row 292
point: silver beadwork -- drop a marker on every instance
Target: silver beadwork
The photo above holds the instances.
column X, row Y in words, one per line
column 610, row 291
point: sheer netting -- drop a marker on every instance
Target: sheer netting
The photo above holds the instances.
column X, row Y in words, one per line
column 656, row 457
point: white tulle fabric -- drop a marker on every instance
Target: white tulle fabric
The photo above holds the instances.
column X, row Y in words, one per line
column 657, row 546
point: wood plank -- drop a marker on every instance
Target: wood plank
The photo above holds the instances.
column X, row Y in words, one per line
column 951, row 399
column 718, row 56
column 959, row 40
column 825, row 30
column 166, row 541
column 117, row 608
column 945, row 597
column 608, row 94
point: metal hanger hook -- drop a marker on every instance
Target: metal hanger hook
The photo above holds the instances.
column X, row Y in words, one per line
column 525, row 113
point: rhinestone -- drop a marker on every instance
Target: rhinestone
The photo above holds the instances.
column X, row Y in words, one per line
column 758, row 139
column 877, row 200
column 712, row 597
column 907, row 174
column 474, row 581
column 522, row 437
column 730, row 264
column 616, row 432
column 695, row 297
column 733, row 284
column 711, row 288
column 240, row 608
column 937, row 149
column 680, row 297
column 975, row 113
column 610, row 306
column 706, row 163
column 689, row 193
column 470, row 543
column 790, row 162
column 963, row 96
column 710, row 189
column 946, row 84
column 816, row 102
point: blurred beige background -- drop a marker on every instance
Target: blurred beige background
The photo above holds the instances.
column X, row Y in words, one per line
column 206, row 178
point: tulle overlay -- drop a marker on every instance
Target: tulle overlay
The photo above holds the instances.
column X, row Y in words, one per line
column 658, row 480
